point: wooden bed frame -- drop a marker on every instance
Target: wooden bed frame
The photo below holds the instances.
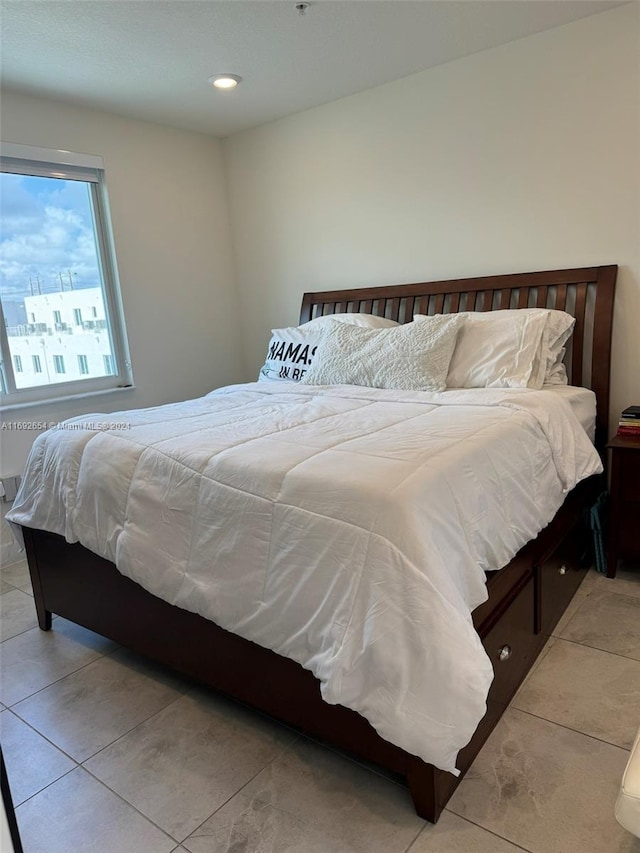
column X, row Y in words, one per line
column 526, row 598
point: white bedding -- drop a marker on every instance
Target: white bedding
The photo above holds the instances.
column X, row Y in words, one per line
column 583, row 403
column 347, row 528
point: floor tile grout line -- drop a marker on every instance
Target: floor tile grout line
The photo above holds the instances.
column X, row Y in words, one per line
column 26, row 588
column 62, row 677
column 545, row 652
column 132, row 729
column 44, row 737
column 596, row 648
column 490, row 831
column 17, row 562
column 570, row 729
column 126, row 802
column 235, row 794
column 417, row 836
column 582, row 600
column 615, row 592
column 44, row 788
column 19, row 634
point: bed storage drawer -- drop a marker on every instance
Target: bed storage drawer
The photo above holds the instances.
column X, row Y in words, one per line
column 557, row 579
column 512, row 646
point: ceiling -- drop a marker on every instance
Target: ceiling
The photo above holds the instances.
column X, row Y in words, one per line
column 151, row 59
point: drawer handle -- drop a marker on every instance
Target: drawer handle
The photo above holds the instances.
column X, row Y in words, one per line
column 504, row 653
column 562, row 570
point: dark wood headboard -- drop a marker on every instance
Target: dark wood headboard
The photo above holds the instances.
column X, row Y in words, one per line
column 587, row 294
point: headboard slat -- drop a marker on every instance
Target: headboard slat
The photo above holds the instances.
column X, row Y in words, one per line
column 421, row 306
column 578, row 334
column 394, row 311
column 409, row 309
column 542, row 296
column 438, row 303
column 561, row 297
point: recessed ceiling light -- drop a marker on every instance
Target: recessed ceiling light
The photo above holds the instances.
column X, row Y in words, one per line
column 225, row 81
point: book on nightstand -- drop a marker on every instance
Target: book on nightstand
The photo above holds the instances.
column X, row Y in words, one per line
column 629, row 423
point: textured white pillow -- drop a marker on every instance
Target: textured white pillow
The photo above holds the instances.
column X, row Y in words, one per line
column 412, row 357
column 497, row 349
column 369, row 321
column 291, row 350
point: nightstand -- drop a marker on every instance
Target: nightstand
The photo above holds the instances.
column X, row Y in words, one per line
column 624, row 517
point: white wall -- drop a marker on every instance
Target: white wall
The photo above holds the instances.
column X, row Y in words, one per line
column 518, row 158
column 170, row 221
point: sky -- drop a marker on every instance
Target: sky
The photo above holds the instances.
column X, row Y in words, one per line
column 46, row 230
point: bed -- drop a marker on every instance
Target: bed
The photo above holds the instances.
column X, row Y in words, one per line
column 521, row 603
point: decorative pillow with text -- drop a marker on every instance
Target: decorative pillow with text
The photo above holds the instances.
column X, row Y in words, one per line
column 291, row 351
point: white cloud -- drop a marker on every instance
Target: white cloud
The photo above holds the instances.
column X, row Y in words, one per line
column 43, row 241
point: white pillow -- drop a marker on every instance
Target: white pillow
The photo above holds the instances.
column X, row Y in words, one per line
column 557, row 332
column 369, row 321
column 412, row 357
column 289, row 354
column 291, row 350
column 497, row 349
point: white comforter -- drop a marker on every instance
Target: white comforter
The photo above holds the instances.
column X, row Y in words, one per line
column 346, row 528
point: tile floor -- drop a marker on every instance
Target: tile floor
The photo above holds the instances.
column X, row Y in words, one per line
column 106, row 752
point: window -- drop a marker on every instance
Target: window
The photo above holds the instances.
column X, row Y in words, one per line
column 53, row 283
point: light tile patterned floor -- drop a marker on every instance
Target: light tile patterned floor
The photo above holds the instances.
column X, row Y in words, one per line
column 106, row 752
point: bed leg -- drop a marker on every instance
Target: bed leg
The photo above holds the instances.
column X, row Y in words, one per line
column 422, row 780
column 44, row 615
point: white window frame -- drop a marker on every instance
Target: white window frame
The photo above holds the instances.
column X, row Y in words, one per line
column 49, row 163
